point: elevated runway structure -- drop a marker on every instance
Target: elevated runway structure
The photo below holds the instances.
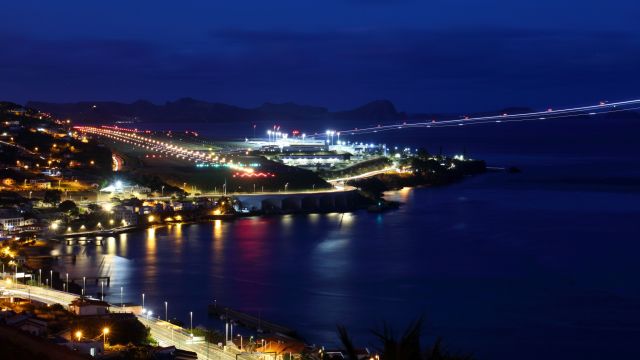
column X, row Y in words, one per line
column 303, row 202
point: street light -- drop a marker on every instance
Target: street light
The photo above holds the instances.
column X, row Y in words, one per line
column 240, row 341
column 162, row 190
column 102, row 290
column 40, row 277
column 105, row 331
column 51, row 275
column 78, row 335
column 166, row 317
column 143, row 301
column 121, row 293
column 191, row 322
column 84, row 284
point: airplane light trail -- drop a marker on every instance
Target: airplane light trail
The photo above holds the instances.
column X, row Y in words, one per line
column 593, row 110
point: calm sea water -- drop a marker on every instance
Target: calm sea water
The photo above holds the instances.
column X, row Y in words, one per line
column 542, row 264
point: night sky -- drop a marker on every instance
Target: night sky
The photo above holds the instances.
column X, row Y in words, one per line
column 432, row 55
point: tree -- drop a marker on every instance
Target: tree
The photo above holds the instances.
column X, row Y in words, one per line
column 212, row 336
column 68, row 206
column 52, row 196
column 423, row 153
column 405, row 347
column 133, row 201
column 129, row 331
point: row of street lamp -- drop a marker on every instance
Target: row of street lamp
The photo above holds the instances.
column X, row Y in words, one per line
column 148, row 312
column 145, row 312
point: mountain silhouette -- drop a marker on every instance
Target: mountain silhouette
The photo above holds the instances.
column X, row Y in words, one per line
column 197, row 111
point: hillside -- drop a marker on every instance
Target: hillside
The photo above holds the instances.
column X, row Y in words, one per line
column 196, row 111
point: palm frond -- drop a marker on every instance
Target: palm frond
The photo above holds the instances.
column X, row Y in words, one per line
column 347, row 343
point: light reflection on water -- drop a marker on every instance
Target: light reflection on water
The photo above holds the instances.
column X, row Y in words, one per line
column 472, row 281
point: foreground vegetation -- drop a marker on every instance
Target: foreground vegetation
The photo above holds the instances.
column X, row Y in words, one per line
column 407, row 346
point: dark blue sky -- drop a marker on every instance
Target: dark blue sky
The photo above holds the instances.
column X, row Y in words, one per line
column 432, row 55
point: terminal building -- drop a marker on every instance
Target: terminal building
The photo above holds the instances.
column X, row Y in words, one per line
column 313, row 159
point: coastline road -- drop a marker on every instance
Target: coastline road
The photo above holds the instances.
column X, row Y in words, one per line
column 165, row 333
column 364, row 175
column 168, row 334
column 47, row 296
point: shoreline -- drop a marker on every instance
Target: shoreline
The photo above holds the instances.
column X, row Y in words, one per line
column 391, row 205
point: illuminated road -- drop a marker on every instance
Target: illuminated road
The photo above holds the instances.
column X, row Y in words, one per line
column 40, row 294
column 364, row 175
column 23, row 149
column 165, row 333
column 168, row 334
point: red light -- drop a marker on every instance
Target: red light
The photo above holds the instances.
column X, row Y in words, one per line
column 253, row 175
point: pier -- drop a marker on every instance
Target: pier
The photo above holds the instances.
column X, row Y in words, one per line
column 96, row 278
column 95, row 234
column 250, row 321
column 83, row 241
